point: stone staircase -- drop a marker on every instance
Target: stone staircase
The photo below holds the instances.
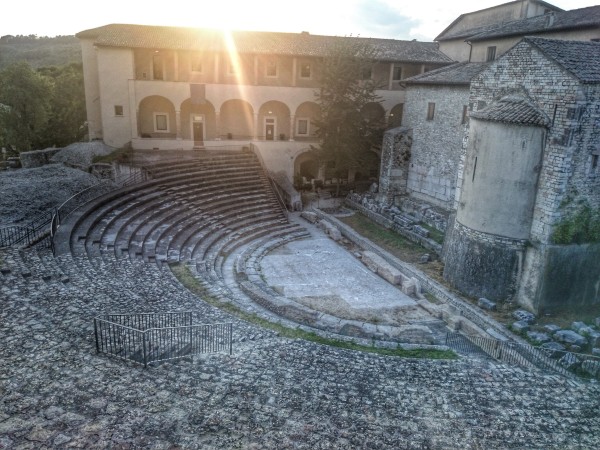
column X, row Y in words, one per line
column 203, row 212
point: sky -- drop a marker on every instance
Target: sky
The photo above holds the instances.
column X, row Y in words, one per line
column 396, row 19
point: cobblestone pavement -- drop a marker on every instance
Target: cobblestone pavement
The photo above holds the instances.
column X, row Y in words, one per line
column 55, row 392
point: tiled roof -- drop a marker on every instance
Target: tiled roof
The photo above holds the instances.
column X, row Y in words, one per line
column 513, row 109
column 447, row 33
column 556, row 21
column 580, row 58
column 455, row 74
column 255, row 42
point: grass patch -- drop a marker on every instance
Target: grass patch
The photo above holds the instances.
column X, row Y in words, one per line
column 381, row 235
column 395, row 244
column 185, row 277
column 435, row 235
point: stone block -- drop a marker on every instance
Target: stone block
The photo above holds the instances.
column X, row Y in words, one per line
column 408, row 287
column 594, row 338
column 425, row 258
column 524, row 316
column 570, row 337
column 538, row 337
column 384, row 269
column 421, row 231
column 551, row 328
column 309, row 216
column 553, row 349
column 578, row 326
column 486, row 304
column 520, row 326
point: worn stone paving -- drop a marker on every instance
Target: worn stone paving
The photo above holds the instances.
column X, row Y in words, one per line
column 55, row 392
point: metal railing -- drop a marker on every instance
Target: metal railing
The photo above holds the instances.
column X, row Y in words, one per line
column 27, row 234
column 82, row 197
column 158, row 337
column 527, row 356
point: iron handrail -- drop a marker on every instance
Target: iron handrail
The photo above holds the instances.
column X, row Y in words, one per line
column 147, row 344
column 528, row 356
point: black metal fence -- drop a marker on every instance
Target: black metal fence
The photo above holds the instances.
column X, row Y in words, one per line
column 30, row 233
column 548, row 360
column 157, row 337
column 88, row 194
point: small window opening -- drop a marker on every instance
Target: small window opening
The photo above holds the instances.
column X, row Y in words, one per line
column 118, row 110
column 430, row 110
column 491, row 53
column 474, row 169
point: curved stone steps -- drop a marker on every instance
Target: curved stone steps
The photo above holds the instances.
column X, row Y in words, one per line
column 196, row 249
column 171, row 243
column 156, row 202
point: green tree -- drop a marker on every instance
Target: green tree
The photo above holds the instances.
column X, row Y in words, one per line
column 67, row 106
column 24, row 96
column 346, row 134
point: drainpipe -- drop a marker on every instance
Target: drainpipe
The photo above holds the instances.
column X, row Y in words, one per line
column 470, row 49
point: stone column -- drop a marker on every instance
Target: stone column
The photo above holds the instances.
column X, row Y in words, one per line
column 256, row 128
column 292, row 119
column 294, row 71
column 391, row 80
column 178, row 124
column 218, row 126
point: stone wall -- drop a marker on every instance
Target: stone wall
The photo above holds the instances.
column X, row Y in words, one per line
column 437, row 143
column 37, row 158
column 566, row 174
column 395, row 155
column 560, row 277
column 483, row 265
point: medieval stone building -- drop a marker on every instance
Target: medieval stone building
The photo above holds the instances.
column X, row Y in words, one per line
column 530, row 161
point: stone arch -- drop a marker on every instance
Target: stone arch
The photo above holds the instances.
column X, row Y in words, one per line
column 309, row 112
column 157, row 118
column 396, row 114
column 191, row 112
column 237, row 120
column 369, row 168
column 278, row 111
column 373, row 112
column 306, row 168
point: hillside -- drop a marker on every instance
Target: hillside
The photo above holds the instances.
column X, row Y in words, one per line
column 39, row 51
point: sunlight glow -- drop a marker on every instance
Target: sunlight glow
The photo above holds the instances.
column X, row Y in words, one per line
column 239, row 73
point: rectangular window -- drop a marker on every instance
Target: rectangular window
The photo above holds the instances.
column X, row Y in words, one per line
column 465, row 114
column 305, row 71
column 161, row 122
column 230, row 68
column 118, row 110
column 302, row 127
column 491, row 53
column 594, row 162
column 157, row 67
column 271, row 69
column 197, row 63
column 397, row 74
column 430, row 110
